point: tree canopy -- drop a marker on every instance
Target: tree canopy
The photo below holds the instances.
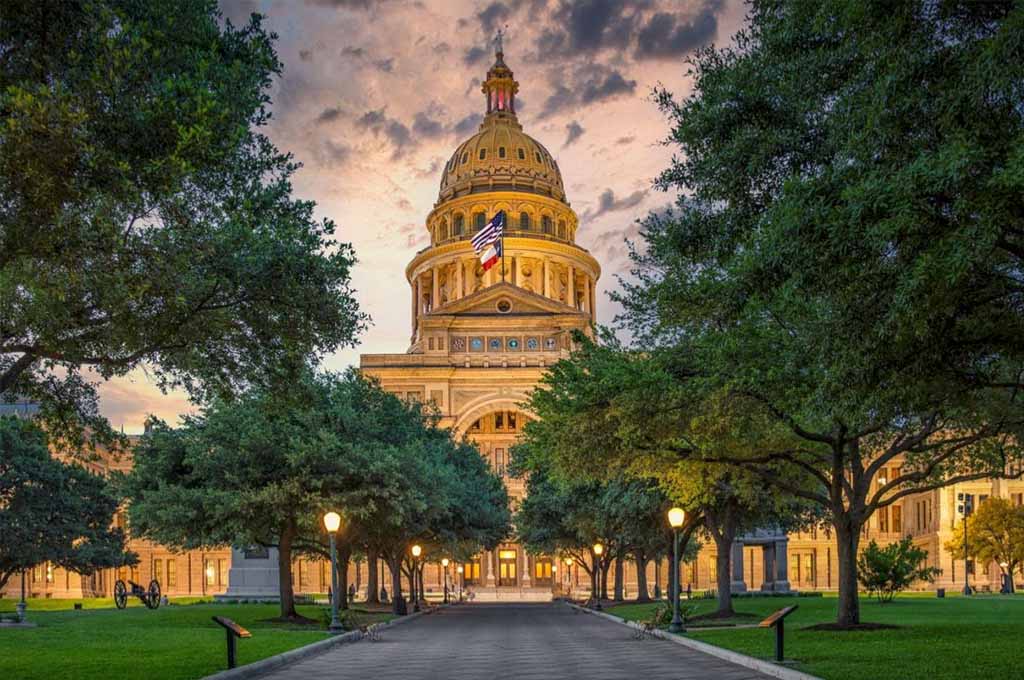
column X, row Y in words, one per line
column 839, row 272
column 265, row 467
column 52, row 511
column 995, row 533
column 145, row 217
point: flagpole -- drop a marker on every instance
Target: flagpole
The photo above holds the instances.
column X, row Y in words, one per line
column 503, row 225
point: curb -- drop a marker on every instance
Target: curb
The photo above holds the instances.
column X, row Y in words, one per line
column 759, row 665
column 272, row 663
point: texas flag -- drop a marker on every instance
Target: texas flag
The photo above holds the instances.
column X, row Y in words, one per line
column 487, row 241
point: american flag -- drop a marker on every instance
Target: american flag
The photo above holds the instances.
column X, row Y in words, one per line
column 490, row 233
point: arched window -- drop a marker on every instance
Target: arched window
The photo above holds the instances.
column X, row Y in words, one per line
column 524, row 221
column 480, row 219
column 501, row 152
column 537, row 155
column 457, row 225
column 522, row 155
column 561, row 228
column 483, row 154
column 465, row 157
column 442, row 230
column 545, row 223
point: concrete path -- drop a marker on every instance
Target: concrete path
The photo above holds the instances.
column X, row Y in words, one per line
column 514, row 641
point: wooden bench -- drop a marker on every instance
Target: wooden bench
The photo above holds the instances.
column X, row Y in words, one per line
column 777, row 621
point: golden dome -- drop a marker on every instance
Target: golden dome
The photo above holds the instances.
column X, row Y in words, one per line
column 501, row 157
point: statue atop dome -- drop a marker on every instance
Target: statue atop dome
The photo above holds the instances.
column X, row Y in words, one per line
column 499, row 50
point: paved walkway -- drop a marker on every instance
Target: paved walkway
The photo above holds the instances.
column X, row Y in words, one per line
column 514, row 641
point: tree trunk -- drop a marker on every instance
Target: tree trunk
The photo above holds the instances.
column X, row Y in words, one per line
column 847, row 539
column 372, row 589
column 397, row 601
column 641, row 578
column 618, row 597
column 594, row 578
column 723, row 564
column 721, row 524
column 284, row 570
column 421, row 589
column 657, row 579
column 606, row 566
column 344, row 555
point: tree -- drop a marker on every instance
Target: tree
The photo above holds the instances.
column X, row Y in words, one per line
column 146, row 218
column 886, row 571
column 264, row 468
column 608, row 412
column 838, row 272
column 52, row 511
column 995, row 533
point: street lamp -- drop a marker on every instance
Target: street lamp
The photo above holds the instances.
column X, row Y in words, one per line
column 444, row 564
column 332, row 522
column 598, row 550
column 568, row 575
column 458, row 570
column 416, row 551
column 676, row 517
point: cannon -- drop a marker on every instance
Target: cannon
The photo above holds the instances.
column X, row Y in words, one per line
column 148, row 596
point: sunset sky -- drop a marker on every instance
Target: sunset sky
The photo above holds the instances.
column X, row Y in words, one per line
column 375, row 96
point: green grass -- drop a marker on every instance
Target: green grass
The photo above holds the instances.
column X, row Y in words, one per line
column 937, row 639
column 170, row 643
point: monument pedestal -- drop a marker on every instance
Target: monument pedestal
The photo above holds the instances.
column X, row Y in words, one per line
column 253, row 575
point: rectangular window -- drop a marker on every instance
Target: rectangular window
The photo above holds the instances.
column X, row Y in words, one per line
column 982, row 498
column 511, row 420
column 883, row 520
column 172, row 573
column 897, row 519
column 222, row 572
column 499, row 421
column 158, row 571
column 1018, row 498
column 210, row 572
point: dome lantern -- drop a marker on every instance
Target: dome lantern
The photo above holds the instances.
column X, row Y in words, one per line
column 500, row 87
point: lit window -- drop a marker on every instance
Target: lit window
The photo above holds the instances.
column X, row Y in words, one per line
column 172, row 573
column 511, row 420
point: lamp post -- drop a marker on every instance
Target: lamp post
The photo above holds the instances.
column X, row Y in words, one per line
column 416, row 551
column 568, row 575
column 332, row 522
column 966, row 507
column 458, row 570
column 676, row 517
column 444, row 565
column 598, row 550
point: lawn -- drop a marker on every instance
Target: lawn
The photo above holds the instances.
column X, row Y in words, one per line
column 176, row 642
column 937, row 639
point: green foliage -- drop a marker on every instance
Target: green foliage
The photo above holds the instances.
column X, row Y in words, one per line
column 838, row 280
column 52, row 511
column 883, row 572
column 995, row 533
column 147, row 219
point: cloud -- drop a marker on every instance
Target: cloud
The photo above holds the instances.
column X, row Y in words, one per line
column 385, row 65
column 589, row 25
column 394, row 131
column 342, row 4
column 306, row 55
column 468, row 125
column 431, row 171
column 404, row 204
column 622, row 141
column 329, row 115
column 593, row 83
column 441, row 48
column 575, row 131
column 473, row 56
column 332, row 154
column 607, row 203
column 425, row 126
column 492, row 16
column 356, row 52
column 667, row 35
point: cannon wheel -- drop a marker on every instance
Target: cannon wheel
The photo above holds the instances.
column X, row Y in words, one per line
column 120, row 594
column 153, row 594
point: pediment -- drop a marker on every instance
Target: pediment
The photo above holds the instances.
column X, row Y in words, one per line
column 485, row 302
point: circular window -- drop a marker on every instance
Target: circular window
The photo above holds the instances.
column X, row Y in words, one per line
column 504, row 306
column 513, row 343
column 494, row 344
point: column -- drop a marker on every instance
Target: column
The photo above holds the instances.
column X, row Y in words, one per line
column 419, row 303
column 524, row 558
column 435, row 288
column 768, row 551
column 414, row 315
column 736, row 560
column 570, row 296
column 782, row 565
column 488, row 567
column 593, row 300
column 459, row 290
column 547, row 277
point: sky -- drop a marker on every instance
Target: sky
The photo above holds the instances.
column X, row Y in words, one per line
column 375, row 96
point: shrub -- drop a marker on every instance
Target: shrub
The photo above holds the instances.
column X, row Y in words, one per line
column 883, row 572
